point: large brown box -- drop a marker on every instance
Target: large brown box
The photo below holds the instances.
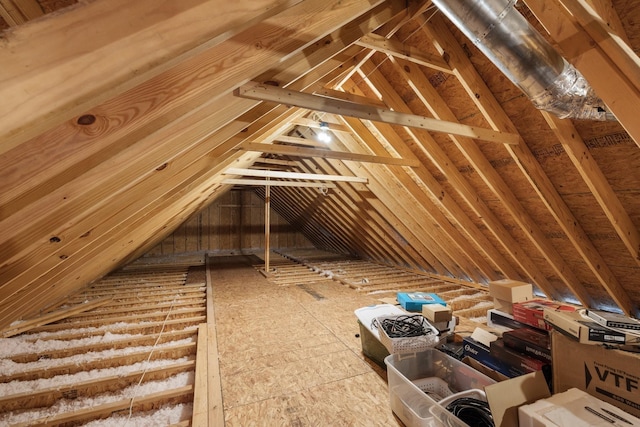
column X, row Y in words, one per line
column 608, row 374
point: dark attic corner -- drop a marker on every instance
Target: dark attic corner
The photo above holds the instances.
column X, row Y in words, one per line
column 320, row 213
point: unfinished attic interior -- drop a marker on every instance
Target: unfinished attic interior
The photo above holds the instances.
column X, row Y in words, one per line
column 196, row 195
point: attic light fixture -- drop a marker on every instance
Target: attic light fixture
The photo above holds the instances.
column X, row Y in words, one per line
column 323, row 135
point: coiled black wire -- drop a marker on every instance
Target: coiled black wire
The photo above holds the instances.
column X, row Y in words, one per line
column 474, row 412
column 405, row 326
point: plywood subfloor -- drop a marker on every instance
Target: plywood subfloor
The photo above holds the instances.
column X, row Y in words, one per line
column 289, row 353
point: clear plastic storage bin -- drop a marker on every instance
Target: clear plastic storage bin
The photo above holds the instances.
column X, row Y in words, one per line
column 418, row 380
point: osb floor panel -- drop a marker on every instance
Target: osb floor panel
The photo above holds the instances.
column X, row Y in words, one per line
column 289, row 354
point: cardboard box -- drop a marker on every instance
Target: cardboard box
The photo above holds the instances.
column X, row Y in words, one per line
column 572, row 408
column 516, row 360
column 532, row 312
column 609, row 374
column 507, row 396
column 529, row 341
column 584, row 329
column 511, row 290
column 506, row 321
column 436, row 313
column 484, row 369
column 475, row 350
column 503, row 306
column 413, row 301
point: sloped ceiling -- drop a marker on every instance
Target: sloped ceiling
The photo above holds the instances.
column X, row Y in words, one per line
column 118, row 120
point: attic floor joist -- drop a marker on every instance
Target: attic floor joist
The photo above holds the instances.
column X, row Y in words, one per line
column 91, row 365
column 470, row 300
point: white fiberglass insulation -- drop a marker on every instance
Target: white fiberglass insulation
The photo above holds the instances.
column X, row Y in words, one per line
column 66, row 405
column 46, row 342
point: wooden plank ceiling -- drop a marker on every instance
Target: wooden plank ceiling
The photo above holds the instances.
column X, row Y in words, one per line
column 119, row 119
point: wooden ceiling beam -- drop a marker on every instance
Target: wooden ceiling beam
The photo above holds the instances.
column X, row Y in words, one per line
column 293, row 175
column 16, row 12
column 263, row 92
column 325, row 154
column 277, row 162
column 275, row 183
column 130, row 47
column 540, row 182
column 347, row 96
column 401, row 50
column 610, row 66
column 315, row 124
column 298, row 141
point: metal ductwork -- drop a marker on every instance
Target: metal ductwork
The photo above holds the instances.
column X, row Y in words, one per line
column 525, row 57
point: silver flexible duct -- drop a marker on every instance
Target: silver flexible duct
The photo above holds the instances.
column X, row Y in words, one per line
column 525, row 57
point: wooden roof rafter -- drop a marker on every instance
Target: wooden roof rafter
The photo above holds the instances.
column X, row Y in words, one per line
column 379, row 228
column 453, row 242
column 540, row 182
column 592, row 175
column 447, row 167
column 382, row 183
column 489, row 175
column 448, row 205
column 343, row 210
column 318, row 220
column 401, row 50
column 16, row 12
column 121, row 57
column 390, row 215
column 387, row 219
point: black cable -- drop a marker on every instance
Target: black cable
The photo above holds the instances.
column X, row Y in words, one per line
column 474, row 412
column 405, row 326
